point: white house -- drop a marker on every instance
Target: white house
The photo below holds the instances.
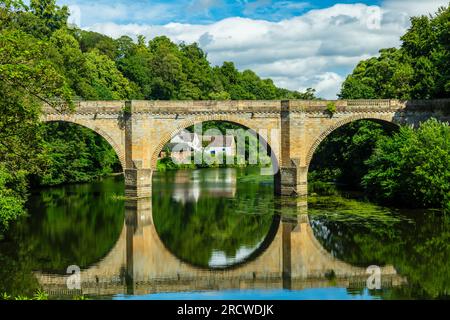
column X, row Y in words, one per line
column 182, row 146
column 217, row 145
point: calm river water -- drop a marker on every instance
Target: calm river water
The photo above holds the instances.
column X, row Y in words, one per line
column 222, row 234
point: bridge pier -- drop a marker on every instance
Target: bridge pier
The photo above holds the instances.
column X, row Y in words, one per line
column 292, row 181
column 138, row 183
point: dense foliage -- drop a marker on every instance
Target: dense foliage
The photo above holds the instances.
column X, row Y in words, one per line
column 419, row 69
column 28, row 76
column 412, row 166
column 74, row 154
column 341, row 156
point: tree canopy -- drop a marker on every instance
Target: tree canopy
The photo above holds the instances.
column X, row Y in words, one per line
column 419, row 69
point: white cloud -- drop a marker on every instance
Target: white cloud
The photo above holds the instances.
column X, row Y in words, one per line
column 316, row 49
column 414, row 7
column 328, row 84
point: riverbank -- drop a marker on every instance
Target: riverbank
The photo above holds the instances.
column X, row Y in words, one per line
column 167, row 164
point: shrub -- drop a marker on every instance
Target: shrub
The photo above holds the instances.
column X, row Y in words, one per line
column 331, row 108
column 412, row 167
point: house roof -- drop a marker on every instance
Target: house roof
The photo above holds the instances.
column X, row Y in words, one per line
column 219, row 141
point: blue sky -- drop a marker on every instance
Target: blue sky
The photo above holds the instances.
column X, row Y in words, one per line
column 299, row 44
column 207, row 11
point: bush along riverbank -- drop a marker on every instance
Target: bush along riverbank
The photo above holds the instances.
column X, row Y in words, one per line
column 406, row 168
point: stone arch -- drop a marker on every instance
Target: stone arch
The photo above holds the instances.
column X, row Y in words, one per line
column 119, row 152
column 377, row 118
column 196, row 120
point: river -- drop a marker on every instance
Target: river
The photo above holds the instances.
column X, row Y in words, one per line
column 222, row 234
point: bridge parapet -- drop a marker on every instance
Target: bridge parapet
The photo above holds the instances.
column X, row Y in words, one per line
column 206, row 106
column 91, row 107
column 253, row 106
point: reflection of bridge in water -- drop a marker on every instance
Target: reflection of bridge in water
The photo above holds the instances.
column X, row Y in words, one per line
column 139, row 263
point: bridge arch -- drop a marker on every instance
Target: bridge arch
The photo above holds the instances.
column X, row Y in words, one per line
column 385, row 120
column 246, row 123
column 91, row 126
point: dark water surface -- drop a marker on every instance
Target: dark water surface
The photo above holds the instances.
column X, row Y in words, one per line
column 221, row 233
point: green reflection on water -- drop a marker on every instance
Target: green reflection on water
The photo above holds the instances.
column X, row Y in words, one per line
column 415, row 242
column 67, row 225
column 75, row 224
column 212, row 218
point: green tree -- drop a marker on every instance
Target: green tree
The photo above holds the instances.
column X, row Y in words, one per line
column 12, row 189
column 27, row 78
column 89, row 41
column 74, row 154
column 412, row 167
column 49, row 14
column 385, row 77
column 341, row 156
column 106, row 79
column 199, row 75
column 135, row 63
column 419, row 69
column 71, row 62
column 166, row 68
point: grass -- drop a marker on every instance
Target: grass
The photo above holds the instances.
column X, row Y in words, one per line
column 40, row 295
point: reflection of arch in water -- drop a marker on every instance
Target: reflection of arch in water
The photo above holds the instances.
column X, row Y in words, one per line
column 69, row 231
column 221, row 183
column 256, row 252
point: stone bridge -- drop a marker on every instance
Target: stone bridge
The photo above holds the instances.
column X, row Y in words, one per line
column 138, row 130
column 140, row 263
